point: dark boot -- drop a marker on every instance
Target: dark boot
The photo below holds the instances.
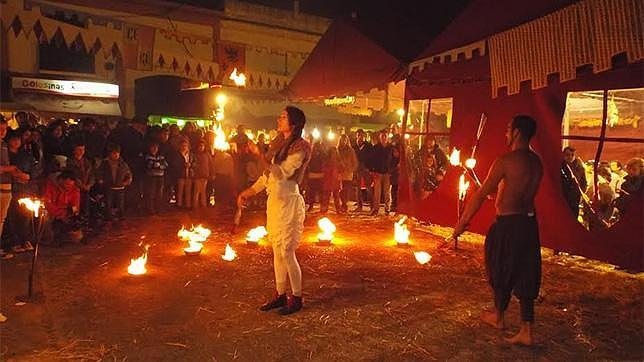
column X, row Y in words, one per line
column 294, row 304
column 277, row 302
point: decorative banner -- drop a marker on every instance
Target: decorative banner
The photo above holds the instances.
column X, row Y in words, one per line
column 71, row 88
column 336, row 101
column 230, row 56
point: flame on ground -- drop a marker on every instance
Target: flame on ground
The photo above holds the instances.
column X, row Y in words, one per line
column 455, row 157
column 230, row 254
column 195, row 238
column 327, row 227
column 470, row 163
column 137, row 266
column 401, row 233
column 256, row 233
column 422, row 257
column 33, row 205
column 462, row 187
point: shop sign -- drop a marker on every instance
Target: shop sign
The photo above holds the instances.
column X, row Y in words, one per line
column 337, row 101
column 67, row 87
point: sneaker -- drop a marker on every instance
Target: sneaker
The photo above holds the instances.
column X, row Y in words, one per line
column 18, row 249
column 293, row 305
column 28, row 246
column 277, row 302
column 5, row 255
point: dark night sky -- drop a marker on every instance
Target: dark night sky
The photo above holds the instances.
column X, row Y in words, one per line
column 403, row 27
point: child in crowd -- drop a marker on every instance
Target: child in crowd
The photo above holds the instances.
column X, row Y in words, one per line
column 184, row 183
column 85, row 174
column 115, row 176
column 155, row 166
column 62, row 201
column 201, row 172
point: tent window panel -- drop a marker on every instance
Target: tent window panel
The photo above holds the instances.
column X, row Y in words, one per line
column 624, row 113
column 440, row 114
column 417, row 115
column 620, row 173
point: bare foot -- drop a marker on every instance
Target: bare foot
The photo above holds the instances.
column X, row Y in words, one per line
column 524, row 337
column 491, row 318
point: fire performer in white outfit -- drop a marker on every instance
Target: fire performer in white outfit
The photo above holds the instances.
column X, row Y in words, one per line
column 285, row 207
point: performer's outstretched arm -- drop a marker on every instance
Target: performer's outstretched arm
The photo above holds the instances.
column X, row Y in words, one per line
column 489, row 186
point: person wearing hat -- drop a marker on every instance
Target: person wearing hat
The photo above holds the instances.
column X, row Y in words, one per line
column 285, row 205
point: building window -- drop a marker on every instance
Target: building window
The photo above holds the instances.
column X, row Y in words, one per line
column 429, row 127
column 602, row 170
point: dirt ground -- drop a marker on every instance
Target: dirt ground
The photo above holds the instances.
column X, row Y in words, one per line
column 365, row 299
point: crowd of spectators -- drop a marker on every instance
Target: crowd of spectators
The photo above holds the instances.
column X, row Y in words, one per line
column 90, row 174
column 617, row 186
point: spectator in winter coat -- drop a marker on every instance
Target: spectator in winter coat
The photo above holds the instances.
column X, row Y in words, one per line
column 114, row 176
column 348, row 163
column 632, row 185
column 315, row 174
column 18, row 230
column 331, row 182
column 184, row 182
column 62, row 201
column 380, row 170
column 201, row 172
column 85, row 173
column 363, row 176
column 223, row 165
column 155, row 167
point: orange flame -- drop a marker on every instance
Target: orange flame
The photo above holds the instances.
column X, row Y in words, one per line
column 137, row 266
column 401, row 233
column 230, row 254
column 455, row 157
column 33, row 205
column 470, row 163
column 195, row 238
column 327, row 227
column 256, row 233
column 239, row 79
column 220, row 139
column 422, row 257
column 462, row 187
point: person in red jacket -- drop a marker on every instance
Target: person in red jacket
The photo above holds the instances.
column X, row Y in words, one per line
column 62, row 202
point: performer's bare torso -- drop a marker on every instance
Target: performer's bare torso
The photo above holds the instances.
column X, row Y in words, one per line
column 522, row 172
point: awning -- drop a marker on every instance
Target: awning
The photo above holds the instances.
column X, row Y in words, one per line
column 61, row 104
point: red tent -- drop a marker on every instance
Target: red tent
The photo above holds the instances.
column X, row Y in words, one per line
column 506, row 58
column 344, row 61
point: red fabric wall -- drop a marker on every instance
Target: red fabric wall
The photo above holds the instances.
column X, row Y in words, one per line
column 468, row 82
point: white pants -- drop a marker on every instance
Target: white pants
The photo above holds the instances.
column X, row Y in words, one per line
column 285, row 223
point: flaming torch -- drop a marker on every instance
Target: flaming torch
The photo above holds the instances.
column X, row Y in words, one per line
column 255, row 234
column 229, row 254
column 31, row 205
column 455, row 157
column 401, row 233
column 328, row 228
column 37, row 227
column 422, row 257
column 220, row 139
column 239, row 79
column 137, row 266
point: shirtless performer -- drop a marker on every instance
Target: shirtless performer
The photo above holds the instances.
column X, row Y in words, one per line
column 512, row 247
